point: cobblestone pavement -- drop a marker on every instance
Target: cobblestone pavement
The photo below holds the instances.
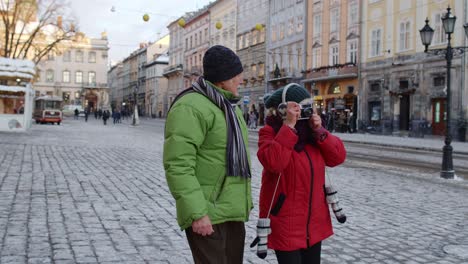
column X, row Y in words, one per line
column 89, row 193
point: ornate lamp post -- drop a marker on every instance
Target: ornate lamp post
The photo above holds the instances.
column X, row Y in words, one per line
column 448, row 22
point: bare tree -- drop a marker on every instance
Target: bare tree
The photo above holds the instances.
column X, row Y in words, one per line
column 33, row 28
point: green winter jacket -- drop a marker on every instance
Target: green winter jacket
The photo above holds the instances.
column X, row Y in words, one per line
column 195, row 162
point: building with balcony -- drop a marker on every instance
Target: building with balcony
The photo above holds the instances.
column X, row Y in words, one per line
column 156, row 83
column 402, row 89
column 285, row 43
column 197, row 41
column 174, row 71
column 77, row 72
column 223, row 23
column 333, row 32
column 251, row 49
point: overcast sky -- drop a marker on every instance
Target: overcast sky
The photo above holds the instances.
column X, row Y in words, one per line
column 125, row 26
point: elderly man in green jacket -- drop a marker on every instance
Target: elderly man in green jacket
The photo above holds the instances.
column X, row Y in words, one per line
column 207, row 161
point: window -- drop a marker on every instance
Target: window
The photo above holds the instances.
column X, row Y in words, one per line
column 241, row 40
column 92, row 77
column 404, row 36
column 66, row 76
column 67, row 56
column 253, row 69
column 254, row 37
column 290, row 61
column 334, row 54
column 79, row 77
column 290, row 26
column 51, row 56
column 352, row 51
column 334, row 20
column 281, row 33
column 79, row 56
column 49, row 76
column 439, row 81
column 439, row 32
column 273, row 33
column 299, row 59
column 191, row 41
column 404, row 84
column 186, row 43
column 261, row 69
column 92, row 57
column 375, row 87
column 300, row 24
column 196, row 39
column 200, row 36
column 317, row 25
column 316, row 58
column 376, row 42
column 262, row 36
column 353, row 13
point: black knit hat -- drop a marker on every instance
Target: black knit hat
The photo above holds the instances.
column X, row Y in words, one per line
column 294, row 93
column 220, row 64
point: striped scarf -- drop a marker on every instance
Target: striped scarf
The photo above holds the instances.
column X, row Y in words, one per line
column 236, row 152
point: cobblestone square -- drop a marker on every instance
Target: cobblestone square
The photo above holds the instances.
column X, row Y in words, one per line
column 88, row 193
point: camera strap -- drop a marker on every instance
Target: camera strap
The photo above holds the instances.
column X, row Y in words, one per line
column 273, row 197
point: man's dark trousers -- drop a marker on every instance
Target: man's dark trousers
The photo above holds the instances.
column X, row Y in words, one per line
column 224, row 246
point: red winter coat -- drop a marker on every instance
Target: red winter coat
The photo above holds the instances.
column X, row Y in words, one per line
column 304, row 218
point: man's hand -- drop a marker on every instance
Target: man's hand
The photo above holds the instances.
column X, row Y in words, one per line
column 203, row 226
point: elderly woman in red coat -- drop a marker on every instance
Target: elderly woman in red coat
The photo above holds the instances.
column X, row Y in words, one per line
column 298, row 149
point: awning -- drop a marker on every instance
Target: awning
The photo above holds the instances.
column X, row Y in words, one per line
column 326, row 78
column 13, row 88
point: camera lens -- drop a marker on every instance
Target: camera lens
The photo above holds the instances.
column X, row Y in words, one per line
column 306, row 112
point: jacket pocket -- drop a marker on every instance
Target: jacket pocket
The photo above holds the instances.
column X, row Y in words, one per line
column 278, row 204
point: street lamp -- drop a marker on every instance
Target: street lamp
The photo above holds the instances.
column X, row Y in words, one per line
column 448, row 22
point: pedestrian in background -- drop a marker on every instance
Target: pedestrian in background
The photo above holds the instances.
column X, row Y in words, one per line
column 77, row 112
column 86, row 114
column 297, row 151
column 207, row 162
column 105, row 116
column 252, row 120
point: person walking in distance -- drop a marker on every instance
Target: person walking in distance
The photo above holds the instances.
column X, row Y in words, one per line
column 207, row 162
column 294, row 150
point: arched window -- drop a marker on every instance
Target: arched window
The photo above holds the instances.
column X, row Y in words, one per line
column 49, row 76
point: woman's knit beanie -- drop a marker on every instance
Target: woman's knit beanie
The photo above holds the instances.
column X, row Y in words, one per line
column 220, row 64
column 294, row 93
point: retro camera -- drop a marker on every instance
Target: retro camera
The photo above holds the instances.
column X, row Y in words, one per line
column 307, row 110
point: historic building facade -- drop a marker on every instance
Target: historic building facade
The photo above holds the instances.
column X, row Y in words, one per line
column 174, row 72
column 197, row 41
column 403, row 89
column 77, row 72
column 285, row 45
column 251, row 49
column 156, row 84
column 333, row 32
column 223, row 22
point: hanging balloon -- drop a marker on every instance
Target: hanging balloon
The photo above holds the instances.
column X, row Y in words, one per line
column 146, row 17
column 218, row 25
column 181, row 22
column 259, row 27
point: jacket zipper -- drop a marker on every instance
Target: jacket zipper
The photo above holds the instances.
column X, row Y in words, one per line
column 310, row 197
